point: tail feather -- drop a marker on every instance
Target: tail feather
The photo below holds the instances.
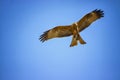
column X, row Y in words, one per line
column 74, row 41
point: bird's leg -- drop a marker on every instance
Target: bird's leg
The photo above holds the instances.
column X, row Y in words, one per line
column 80, row 39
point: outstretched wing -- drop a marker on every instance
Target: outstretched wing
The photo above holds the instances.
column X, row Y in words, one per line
column 89, row 18
column 63, row 31
column 59, row 31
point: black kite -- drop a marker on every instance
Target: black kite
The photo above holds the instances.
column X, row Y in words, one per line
column 73, row 29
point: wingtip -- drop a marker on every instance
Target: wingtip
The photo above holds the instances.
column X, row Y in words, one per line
column 99, row 12
column 43, row 37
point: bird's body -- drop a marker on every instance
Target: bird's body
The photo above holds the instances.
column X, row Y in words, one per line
column 74, row 29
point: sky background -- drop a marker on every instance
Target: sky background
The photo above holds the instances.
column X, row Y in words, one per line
column 24, row 57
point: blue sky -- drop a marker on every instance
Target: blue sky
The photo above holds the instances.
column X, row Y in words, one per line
column 24, row 57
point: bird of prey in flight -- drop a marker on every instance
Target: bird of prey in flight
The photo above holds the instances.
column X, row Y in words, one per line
column 73, row 29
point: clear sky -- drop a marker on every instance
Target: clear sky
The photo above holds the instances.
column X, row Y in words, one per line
column 24, row 57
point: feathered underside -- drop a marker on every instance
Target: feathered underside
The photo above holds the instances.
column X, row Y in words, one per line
column 64, row 31
column 59, row 31
column 89, row 19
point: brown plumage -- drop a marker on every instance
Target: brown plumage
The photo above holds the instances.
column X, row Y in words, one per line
column 74, row 29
